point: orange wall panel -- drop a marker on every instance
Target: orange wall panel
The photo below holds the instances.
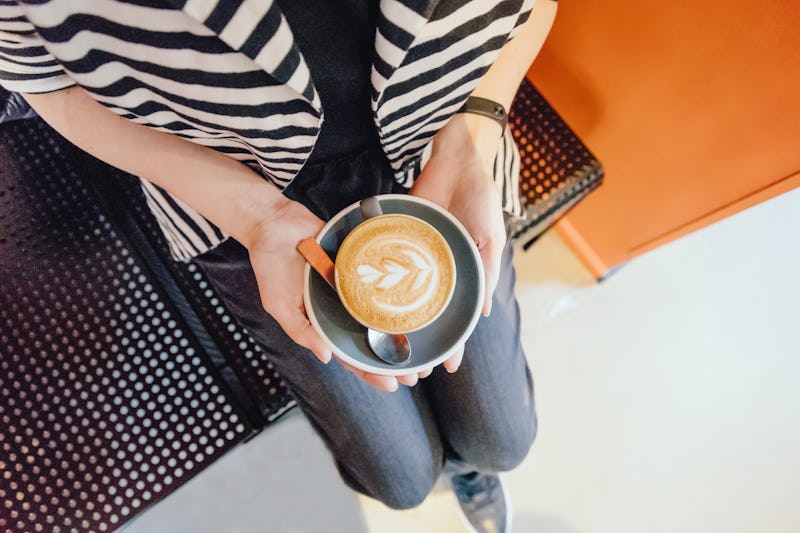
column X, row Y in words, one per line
column 691, row 107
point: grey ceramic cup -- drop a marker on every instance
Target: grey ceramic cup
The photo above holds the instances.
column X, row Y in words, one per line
column 430, row 345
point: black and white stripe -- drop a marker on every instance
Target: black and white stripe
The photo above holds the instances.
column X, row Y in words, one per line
column 228, row 75
column 26, row 65
column 444, row 62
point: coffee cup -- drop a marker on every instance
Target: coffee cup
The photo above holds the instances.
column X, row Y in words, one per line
column 394, row 273
column 402, row 265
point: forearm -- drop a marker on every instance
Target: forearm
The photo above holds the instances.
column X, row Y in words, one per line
column 500, row 84
column 501, row 81
column 220, row 188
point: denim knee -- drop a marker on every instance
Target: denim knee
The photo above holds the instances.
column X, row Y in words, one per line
column 500, row 452
column 397, row 482
column 406, row 496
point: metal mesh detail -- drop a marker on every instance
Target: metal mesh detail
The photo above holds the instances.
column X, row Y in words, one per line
column 107, row 400
column 556, row 168
column 267, row 390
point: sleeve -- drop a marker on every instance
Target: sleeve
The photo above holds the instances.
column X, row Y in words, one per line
column 525, row 13
column 25, row 65
column 506, row 174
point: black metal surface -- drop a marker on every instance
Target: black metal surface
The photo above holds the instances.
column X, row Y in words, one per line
column 108, row 401
column 266, row 390
column 556, row 169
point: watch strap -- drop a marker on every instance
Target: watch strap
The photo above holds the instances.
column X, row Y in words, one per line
column 487, row 108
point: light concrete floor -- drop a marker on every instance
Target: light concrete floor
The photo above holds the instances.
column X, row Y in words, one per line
column 667, row 400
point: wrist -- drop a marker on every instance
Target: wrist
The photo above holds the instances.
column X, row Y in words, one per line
column 469, row 136
column 256, row 205
column 486, row 107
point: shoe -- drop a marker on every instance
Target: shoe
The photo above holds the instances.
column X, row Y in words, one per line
column 484, row 502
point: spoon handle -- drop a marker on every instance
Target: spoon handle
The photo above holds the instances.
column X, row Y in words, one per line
column 318, row 259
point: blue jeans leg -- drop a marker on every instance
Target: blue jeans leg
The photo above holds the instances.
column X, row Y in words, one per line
column 485, row 412
column 392, row 446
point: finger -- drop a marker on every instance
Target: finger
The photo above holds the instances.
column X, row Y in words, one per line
column 454, row 361
column 425, row 373
column 386, row 383
column 408, row 380
column 300, row 330
column 491, row 255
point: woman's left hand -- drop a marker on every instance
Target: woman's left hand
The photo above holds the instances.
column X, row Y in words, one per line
column 458, row 177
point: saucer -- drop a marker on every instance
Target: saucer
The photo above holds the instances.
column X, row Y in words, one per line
column 430, row 345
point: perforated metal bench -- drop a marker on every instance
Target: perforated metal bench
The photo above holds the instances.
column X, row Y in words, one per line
column 122, row 375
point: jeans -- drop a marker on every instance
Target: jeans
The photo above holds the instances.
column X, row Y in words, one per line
column 393, row 446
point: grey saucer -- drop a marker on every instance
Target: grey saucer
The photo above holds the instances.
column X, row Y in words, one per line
column 430, row 345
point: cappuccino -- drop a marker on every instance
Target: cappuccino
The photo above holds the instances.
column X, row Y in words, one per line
column 395, row 273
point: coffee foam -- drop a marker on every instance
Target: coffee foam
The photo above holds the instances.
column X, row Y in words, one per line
column 395, row 273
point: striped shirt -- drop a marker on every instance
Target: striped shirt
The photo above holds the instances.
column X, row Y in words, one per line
column 229, row 75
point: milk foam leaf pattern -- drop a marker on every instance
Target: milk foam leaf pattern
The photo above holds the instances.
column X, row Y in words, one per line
column 368, row 274
column 423, row 268
column 391, row 272
column 394, row 274
column 389, row 275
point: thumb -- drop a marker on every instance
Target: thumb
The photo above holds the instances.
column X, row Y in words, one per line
column 490, row 257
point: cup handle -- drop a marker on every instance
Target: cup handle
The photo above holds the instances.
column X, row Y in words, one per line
column 370, row 207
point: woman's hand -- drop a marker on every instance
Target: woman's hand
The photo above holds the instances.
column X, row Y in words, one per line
column 458, row 177
column 272, row 246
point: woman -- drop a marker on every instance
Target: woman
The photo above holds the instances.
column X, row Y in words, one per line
column 252, row 122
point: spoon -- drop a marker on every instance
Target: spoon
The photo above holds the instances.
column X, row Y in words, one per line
column 390, row 348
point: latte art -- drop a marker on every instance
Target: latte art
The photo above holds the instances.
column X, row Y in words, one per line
column 395, row 273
